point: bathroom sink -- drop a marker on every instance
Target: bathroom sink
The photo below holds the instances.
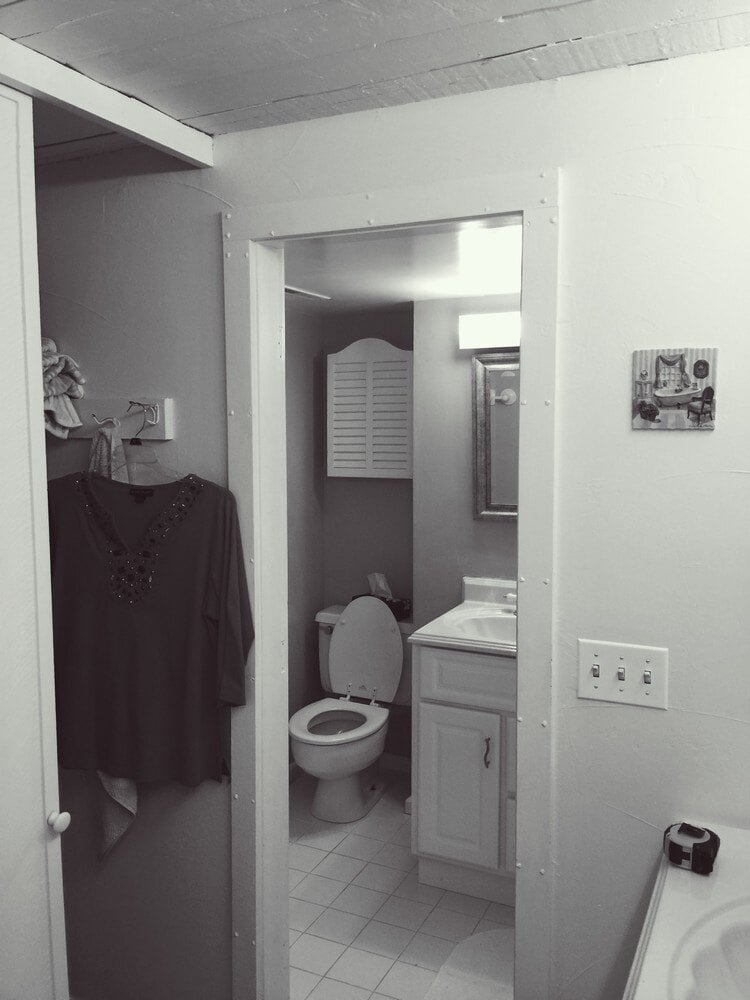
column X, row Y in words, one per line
column 713, row 960
column 493, row 623
column 473, row 625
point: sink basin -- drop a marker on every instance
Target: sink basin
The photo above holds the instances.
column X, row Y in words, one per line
column 473, row 625
column 494, row 624
column 713, row 960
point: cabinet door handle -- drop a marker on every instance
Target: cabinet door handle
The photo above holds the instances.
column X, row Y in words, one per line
column 487, row 751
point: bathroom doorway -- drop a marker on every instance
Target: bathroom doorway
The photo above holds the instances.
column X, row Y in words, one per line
column 254, row 280
column 360, row 913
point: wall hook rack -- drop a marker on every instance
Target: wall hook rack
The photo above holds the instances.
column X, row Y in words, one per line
column 155, row 414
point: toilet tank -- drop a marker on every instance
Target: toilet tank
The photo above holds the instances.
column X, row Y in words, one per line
column 327, row 619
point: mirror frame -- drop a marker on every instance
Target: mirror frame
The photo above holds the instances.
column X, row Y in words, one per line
column 482, row 363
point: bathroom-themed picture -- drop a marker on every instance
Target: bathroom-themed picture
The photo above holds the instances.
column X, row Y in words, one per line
column 674, row 389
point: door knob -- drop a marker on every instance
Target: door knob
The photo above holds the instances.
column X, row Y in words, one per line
column 58, row 822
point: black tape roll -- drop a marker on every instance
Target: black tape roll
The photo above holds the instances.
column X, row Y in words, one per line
column 691, row 847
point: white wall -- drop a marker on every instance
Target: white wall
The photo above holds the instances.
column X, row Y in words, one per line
column 654, row 221
column 449, row 542
column 305, row 440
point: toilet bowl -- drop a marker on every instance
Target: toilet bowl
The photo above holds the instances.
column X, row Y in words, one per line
column 334, row 740
column 337, row 739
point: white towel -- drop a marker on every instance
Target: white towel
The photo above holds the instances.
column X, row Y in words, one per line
column 119, row 808
column 107, row 455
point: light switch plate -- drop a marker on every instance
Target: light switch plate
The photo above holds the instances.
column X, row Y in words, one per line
column 612, row 660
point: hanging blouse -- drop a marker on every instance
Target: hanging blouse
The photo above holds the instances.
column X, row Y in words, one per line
column 152, row 626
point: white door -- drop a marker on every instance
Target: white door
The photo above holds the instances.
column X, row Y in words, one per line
column 32, row 933
column 459, row 784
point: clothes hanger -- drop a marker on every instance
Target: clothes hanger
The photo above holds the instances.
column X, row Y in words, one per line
column 144, row 467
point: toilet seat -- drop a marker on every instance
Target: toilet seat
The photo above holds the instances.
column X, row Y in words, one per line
column 366, row 652
column 375, row 718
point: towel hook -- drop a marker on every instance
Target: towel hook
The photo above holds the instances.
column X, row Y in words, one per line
column 106, row 420
column 148, row 408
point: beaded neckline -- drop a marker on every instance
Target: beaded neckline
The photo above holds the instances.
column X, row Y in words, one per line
column 132, row 570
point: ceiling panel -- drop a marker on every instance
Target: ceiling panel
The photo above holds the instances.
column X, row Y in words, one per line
column 224, row 65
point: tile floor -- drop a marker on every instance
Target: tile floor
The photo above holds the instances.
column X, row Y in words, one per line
column 361, row 926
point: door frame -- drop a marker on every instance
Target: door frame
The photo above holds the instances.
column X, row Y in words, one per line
column 36, row 944
column 253, row 282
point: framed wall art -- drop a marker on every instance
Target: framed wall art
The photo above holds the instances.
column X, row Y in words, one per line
column 674, row 389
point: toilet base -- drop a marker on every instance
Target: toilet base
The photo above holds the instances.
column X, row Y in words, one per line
column 344, row 800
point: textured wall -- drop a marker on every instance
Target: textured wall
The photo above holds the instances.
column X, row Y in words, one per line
column 339, row 529
column 449, row 542
column 305, row 442
column 368, row 522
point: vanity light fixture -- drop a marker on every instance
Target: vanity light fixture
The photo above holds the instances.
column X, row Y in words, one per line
column 479, row 331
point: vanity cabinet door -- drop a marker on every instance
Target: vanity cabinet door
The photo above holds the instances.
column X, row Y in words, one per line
column 459, row 784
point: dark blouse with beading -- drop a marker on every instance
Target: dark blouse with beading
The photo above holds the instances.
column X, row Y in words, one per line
column 152, row 626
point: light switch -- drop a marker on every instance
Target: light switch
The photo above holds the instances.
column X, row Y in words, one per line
column 622, row 672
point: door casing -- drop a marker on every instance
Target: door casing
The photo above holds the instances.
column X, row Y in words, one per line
column 32, row 922
column 254, row 279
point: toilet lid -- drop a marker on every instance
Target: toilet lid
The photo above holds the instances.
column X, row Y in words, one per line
column 366, row 651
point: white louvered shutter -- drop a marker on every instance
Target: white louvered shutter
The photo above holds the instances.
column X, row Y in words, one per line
column 370, row 411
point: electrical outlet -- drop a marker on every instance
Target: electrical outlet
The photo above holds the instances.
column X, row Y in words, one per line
column 623, row 673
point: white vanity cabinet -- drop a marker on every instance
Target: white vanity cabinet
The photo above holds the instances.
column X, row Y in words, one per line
column 463, row 768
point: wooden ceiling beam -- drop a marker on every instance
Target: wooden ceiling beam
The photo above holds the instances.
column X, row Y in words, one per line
column 39, row 76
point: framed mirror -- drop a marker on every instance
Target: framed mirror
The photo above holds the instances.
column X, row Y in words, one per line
column 495, row 395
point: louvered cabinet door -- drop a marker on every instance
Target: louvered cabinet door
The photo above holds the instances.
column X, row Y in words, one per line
column 370, row 411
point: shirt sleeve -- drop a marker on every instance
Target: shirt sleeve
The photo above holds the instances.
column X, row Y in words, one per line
column 235, row 631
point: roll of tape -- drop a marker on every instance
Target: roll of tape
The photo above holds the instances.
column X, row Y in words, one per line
column 691, row 847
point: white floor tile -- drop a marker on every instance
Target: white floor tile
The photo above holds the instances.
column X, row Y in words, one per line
column 316, row 889
column 324, row 836
column 501, row 914
column 412, row 888
column 426, row 951
column 339, row 867
column 379, row 877
column 448, row 924
column 355, row 846
column 462, row 903
column 379, row 826
column 403, row 834
column 303, row 858
column 295, row 877
column 404, row 912
column 486, row 925
column 301, row 983
column 335, row 925
column 334, row 989
column 406, row 982
column 395, row 856
column 360, row 968
column 337, row 951
column 302, row 914
column 383, row 939
column 314, row 954
column 357, row 899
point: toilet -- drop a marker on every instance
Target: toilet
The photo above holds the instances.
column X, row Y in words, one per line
column 336, row 739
